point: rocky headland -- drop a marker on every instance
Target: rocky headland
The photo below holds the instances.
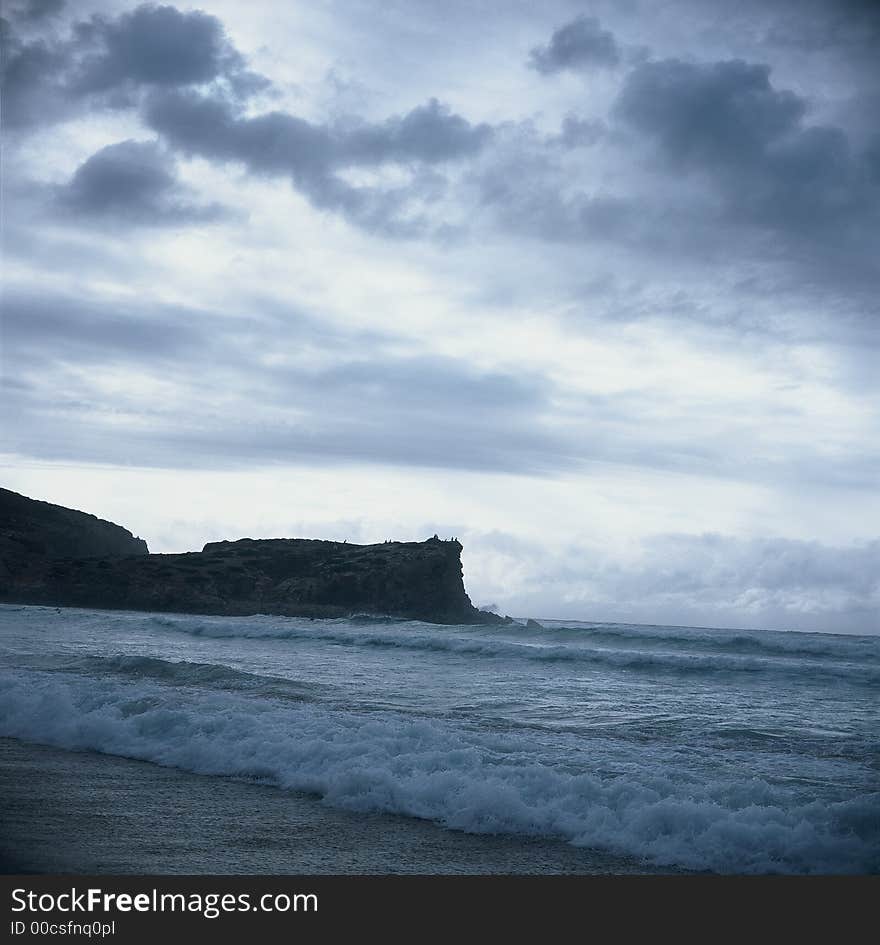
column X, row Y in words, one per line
column 58, row 556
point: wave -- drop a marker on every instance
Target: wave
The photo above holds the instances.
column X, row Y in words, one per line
column 863, row 651
column 174, row 672
column 463, row 778
column 474, row 641
column 782, row 642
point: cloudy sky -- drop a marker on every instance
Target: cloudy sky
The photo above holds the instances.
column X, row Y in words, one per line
column 592, row 286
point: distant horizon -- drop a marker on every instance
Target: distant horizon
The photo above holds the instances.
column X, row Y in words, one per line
column 591, row 286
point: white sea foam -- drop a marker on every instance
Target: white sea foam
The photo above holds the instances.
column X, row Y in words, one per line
column 460, row 775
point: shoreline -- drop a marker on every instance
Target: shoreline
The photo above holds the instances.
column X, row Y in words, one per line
column 88, row 813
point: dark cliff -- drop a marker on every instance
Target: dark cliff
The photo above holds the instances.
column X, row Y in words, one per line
column 297, row 577
column 32, row 532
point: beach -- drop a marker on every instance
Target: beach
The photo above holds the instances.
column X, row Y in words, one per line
column 89, row 813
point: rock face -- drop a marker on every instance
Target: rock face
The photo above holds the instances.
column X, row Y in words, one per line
column 32, row 532
column 294, row 576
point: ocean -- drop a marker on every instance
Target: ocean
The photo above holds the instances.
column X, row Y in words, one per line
column 564, row 747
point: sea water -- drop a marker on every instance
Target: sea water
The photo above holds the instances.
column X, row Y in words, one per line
column 698, row 749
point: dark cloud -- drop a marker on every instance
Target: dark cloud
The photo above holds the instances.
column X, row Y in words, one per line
column 722, row 113
column 33, row 10
column 718, row 167
column 31, row 89
column 131, row 182
column 155, row 45
column 850, row 26
column 41, row 327
column 313, row 155
column 366, row 406
column 105, row 62
column 280, row 143
column 530, row 191
column 430, row 133
column 580, row 44
column 752, row 142
column 580, row 132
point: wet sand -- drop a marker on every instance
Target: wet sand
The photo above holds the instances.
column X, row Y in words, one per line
column 86, row 813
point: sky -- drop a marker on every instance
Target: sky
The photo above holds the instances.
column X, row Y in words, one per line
column 592, row 287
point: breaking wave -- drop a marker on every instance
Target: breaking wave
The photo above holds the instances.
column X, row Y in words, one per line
column 692, row 653
column 461, row 776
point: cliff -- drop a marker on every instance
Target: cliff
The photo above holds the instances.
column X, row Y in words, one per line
column 293, row 576
column 32, row 532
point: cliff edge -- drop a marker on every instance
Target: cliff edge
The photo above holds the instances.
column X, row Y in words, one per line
column 43, row 562
column 33, row 532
